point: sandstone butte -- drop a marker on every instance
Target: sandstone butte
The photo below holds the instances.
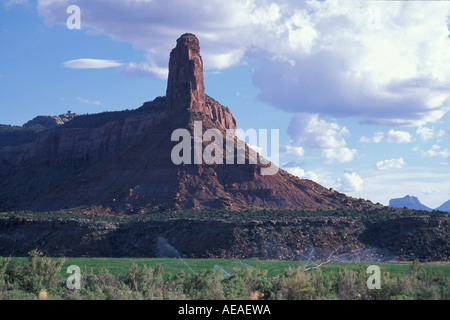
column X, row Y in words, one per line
column 120, row 162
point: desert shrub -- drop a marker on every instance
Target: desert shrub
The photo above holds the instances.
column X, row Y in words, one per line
column 296, row 285
column 260, row 285
column 445, row 290
column 104, row 286
column 346, row 284
column 40, row 273
column 13, row 274
column 17, row 294
column 391, row 289
column 247, row 283
column 174, row 287
column 417, row 284
column 145, row 281
column 238, row 286
column 4, row 262
column 204, row 286
column 429, row 284
column 322, row 284
column 416, row 270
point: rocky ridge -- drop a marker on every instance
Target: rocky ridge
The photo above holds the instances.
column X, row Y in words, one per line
column 50, row 122
column 409, row 238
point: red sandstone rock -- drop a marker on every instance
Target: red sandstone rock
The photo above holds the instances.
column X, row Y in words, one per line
column 121, row 162
column 185, row 87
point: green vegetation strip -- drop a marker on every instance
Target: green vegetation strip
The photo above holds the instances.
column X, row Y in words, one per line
column 370, row 214
column 39, row 277
column 273, row 267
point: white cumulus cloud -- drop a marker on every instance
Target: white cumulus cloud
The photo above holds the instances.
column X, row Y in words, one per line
column 298, row 151
column 394, row 136
column 392, row 75
column 351, row 182
column 299, row 172
column 391, row 164
column 329, row 137
column 377, row 138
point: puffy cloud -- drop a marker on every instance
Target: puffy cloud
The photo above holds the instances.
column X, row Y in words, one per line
column 350, row 182
column 298, row 151
column 299, row 172
column 312, row 132
column 91, row 64
column 393, row 75
column 398, row 136
column 338, row 155
column 326, row 57
column 425, row 133
column 377, row 138
column 429, row 133
column 391, row 164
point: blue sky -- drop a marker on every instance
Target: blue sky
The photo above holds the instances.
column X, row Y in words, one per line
column 358, row 90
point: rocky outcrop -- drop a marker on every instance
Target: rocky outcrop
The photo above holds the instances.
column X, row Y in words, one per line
column 55, row 237
column 420, row 238
column 319, row 238
column 220, row 115
column 120, row 162
column 186, row 88
column 50, row 122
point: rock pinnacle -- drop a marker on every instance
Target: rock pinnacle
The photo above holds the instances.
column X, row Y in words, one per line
column 185, row 87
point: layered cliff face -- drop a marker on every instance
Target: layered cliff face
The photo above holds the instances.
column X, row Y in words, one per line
column 120, row 162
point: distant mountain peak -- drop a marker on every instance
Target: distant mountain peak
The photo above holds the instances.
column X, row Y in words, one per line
column 410, row 202
column 444, row 207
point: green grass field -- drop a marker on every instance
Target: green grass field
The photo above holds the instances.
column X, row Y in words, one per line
column 273, row 267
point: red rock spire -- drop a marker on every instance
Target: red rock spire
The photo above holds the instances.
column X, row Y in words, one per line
column 185, row 87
